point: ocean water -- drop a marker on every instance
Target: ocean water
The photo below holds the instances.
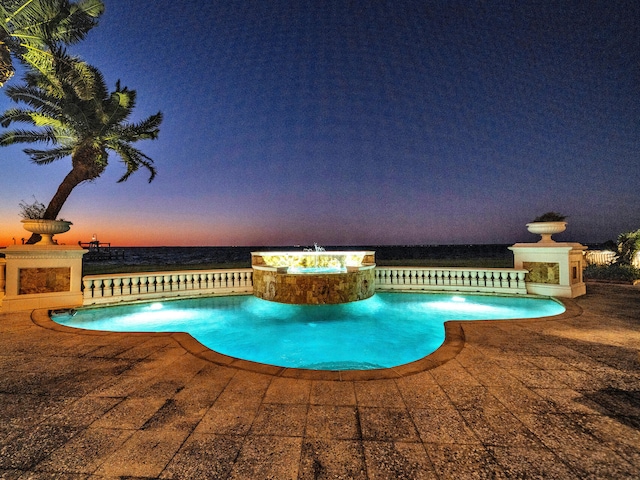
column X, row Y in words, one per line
column 241, row 256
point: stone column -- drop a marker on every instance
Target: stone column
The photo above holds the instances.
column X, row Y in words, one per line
column 42, row 276
column 2, row 282
column 555, row 268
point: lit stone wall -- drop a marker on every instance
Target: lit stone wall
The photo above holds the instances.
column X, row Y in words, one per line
column 542, row 272
column 314, row 289
column 44, row 280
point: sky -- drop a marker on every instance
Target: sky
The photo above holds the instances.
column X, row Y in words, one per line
column 293, row 122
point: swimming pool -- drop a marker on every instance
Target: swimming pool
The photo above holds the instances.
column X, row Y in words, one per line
column 386, row 330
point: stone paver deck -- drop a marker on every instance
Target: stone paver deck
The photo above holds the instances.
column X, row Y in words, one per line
column 555, row 398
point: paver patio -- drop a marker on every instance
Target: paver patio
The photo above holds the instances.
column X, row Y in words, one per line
column 555, row 398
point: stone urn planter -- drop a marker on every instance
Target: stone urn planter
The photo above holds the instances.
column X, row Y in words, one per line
column 546, row 229
column 46, row 228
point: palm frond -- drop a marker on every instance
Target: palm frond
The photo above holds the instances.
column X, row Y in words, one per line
column 54, row 21
column 27, row 136
column 147, row 129
column 31, row 117
column 35, row 98
column 82, row 18
column 44, row 157
column 118, row 106
column 133, row 159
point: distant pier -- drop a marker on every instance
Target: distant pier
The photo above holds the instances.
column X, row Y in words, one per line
column 101, row 251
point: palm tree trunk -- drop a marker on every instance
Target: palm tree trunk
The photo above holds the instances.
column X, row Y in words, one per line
column 6, row 66
column 74, row 178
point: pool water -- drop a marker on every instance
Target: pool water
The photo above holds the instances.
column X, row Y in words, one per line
column 386, row 330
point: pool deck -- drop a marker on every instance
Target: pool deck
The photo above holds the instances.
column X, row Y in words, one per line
column 549, row 398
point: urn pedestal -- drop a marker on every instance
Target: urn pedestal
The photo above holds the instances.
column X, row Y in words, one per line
column 555, row 268
column 42, row 276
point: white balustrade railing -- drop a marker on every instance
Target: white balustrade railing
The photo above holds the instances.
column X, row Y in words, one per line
column 599, row 257
column 606, row 257
column 113, row 288
column 489, row 280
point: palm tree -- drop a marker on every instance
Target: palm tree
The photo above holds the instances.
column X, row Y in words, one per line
column 84, row 129
column 30, row 29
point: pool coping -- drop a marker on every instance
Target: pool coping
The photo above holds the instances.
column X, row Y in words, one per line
column 453, row 343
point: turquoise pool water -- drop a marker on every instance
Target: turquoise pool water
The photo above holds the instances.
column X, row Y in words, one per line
column 386, row 330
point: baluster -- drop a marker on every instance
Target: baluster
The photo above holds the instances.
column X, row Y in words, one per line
column 489, row 279
column 135, row 284
column 126, row 286
column 236, row 279
column 521, row 277
column 431, row 277
column 113, row 288
column 87, row 288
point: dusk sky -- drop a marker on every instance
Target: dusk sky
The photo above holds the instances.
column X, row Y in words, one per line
column 360, row 123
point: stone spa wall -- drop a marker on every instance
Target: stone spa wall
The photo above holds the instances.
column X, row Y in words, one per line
column 316, row 288
column 313, row 278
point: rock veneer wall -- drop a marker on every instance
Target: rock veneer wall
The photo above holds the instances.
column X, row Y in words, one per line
column 44, row 280
column 314, row 289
